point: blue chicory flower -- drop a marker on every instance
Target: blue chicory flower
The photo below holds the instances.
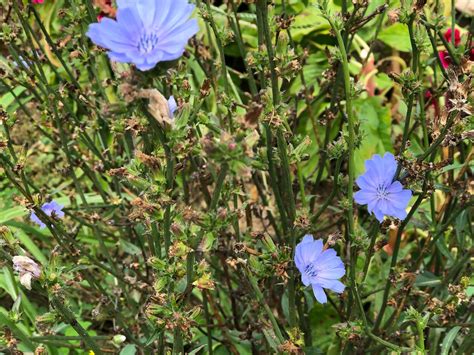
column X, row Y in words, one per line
column 382, row 195
column 172, row 106
column 319, row 268
column 146, row 31
column 48, row 208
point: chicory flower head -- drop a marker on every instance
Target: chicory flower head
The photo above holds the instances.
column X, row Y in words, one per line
column 48, row 208
column 319, row 268
column 382, row 195
column 146, row 31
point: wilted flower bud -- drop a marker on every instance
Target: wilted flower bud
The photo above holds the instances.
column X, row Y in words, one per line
column 119, row 339
column 27, row 269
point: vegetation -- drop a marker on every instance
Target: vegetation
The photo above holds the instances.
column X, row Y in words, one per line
column 130, row 227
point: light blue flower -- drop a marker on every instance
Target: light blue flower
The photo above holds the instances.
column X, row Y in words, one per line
column 48, row 208
column 318, row 268
column 172, row 106
column 382, row 195
column 146, row 31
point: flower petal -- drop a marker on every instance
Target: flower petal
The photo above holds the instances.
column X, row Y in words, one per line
column 336, row 273
column 306, row 252
column 363, row 197
column 319, row 294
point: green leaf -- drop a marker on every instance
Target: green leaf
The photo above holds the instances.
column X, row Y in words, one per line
column 130, row 349
column 271, row 338
column 196, row 351
column 449, row 339
column 130, row 248
column 397, row 37
column 31, row 246
column 376, row 131
column 8, row 98
column 427, row 279
column 441, row 245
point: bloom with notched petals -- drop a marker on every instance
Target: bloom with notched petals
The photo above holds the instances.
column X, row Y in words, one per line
column 319, row 268
column 146, row 31
column 48, row 208
column 382, row 195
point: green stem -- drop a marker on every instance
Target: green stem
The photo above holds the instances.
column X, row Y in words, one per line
column 393, row 263
column 261, row 300
column 263, row 10
column 421, row 337
column 351, row 149
column 368, row 257
column 351, row 127
column 291, row 211
column 71, row 319
column 208, row 322
column 219, row 44
column 219, row 185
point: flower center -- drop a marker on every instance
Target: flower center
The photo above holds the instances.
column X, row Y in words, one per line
column 382, row 192
column 147, row 42
column 310, row 270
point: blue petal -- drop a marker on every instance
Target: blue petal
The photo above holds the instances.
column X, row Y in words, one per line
column 306, row 252
column 399, row 213
column 34, row 218
column 146, row 10
column 337, row 286
column 400, row 199
column 396, row 186
column 172, row 106
column 53, row 206
column 325, row 256
column 118, row 57
column 130, row 22
column 365, row 183
column 121, row 4
column 145, row 66
column 336, row 273
column 381, row 170
column 374, row 207
column 178, row 12
column 110, row 35
column 305, row 279
column 175, row 41
column 167, row 9
column 363, row 197
column 334, row 262
column 319, row 294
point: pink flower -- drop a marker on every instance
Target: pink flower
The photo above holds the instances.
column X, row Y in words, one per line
column 37, row 1
column 457, row 36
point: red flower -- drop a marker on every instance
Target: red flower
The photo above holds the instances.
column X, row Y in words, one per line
column 445, row 58
column 457, row 36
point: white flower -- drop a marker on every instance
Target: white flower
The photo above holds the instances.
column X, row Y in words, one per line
column 27, row 268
